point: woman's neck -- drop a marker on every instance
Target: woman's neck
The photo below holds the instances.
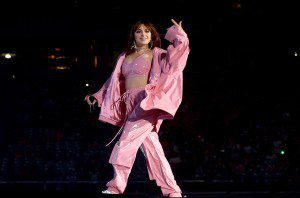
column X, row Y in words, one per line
column 141, row 49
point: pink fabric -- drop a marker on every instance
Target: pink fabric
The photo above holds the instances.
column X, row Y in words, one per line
column 127, row 98
column 165, row 85
column 143, row 112
column 139, row 133
column 140, row 66
column 165, row 92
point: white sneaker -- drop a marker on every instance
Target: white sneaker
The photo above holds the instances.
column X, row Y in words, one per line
column 107, row 192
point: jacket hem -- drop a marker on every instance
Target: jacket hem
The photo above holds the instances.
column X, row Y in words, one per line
column 110, row 121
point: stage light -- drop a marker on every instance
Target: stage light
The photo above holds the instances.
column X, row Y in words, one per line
column 7, row 56
column 51, row 57
column 62, row 67
column 87, row 84
column 282, row 152
column 295, row 54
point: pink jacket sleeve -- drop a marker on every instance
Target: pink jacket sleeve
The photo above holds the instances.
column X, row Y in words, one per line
column 99, row 95
column 165, row 94
column 177, row 53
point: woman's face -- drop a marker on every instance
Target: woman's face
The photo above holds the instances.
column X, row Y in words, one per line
column 142, row 36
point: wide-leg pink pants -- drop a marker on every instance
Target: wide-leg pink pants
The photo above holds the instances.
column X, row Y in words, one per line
column 138, row 133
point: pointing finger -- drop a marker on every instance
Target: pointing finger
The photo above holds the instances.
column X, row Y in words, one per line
column 175, row 23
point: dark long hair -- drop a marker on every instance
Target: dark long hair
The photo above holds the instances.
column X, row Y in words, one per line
column 155, row 38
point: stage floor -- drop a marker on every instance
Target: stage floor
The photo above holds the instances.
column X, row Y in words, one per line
column 191, row 188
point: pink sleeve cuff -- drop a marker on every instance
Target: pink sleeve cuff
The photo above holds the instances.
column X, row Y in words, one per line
column 173, row 32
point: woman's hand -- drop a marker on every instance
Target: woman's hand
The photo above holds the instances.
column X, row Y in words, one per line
column 87, row 99
column 178, row 25
column 91, row 104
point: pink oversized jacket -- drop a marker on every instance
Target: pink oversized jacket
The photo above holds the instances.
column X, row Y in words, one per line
column 165, row 84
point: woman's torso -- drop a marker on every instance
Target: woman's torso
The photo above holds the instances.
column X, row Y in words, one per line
column 136, row 68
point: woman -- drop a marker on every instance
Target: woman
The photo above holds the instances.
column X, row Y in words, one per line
column 144, row 89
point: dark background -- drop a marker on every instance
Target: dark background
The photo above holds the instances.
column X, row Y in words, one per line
column 240, row 106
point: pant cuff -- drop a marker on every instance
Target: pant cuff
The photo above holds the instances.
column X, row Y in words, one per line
column 175, row 195
column 113, row 190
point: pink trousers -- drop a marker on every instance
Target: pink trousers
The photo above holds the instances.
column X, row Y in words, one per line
column 138, row 132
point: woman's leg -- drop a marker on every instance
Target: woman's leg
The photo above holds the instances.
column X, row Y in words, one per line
column 124, row 152
column 158, row 167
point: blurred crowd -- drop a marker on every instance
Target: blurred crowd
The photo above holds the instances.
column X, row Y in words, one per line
column 51, row 135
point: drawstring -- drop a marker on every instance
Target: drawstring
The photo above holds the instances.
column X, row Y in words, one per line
column 122, row 98
column 118, row 132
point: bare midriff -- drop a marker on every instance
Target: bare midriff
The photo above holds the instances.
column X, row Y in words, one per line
column 136, row 82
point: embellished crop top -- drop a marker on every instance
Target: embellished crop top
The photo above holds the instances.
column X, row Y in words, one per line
column 140, row 66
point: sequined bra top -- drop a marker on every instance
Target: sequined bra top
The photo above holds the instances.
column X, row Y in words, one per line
column 140, row 66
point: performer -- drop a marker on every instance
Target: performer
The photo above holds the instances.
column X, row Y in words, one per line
column 144, row 89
